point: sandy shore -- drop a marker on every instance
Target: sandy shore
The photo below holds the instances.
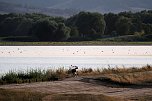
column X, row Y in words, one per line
column 79, row 85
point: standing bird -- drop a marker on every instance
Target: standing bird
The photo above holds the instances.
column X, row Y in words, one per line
column 73, row 70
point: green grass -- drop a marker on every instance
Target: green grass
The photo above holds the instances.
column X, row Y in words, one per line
column 129, row 38
column 14, row 95
column 81, row 43
column 32, row 76
column 118, row 40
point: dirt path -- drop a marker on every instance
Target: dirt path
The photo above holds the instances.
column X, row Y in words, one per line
column 76, row 86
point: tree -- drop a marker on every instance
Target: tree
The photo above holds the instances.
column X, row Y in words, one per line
column 88, row 24
column 62, row 33
column 74, row 32
column 24, row 27
column 9, row 25
column 147, row 28
column 123, row 25
column 110, row 20
column 45, row 30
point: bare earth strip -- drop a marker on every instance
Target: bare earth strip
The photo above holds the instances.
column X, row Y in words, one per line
column 77, row 86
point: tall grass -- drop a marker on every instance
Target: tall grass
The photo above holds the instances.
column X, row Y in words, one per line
column 32, row 76
column 121, row 75
column 127, row 76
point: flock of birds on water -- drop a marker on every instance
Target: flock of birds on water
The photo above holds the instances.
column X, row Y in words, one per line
column 101, row 52
column 9, row 52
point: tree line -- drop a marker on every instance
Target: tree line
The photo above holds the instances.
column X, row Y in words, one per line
column 82, row 26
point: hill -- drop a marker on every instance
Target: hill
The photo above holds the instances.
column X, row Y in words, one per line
column 101, row 6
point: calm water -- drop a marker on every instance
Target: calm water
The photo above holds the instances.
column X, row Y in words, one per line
column 24, row 63
column 22, row 58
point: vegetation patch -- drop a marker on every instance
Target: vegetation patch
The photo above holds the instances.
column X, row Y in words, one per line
column 81, row 97
column 129, row 76
column 33, row 76
column 14, row 95
column 142, row 98
column 81, row 43
column 84, row 26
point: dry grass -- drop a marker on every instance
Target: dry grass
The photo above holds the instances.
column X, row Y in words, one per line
column 142, row 98
column 135, row 76
column 117, row 70
column 82, row 97
column 12, row 95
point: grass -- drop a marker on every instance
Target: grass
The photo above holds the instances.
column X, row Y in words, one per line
column 81, row 43
column 118, row 40
column 14, row 95
column 126, row 38
column 128, row 76
column 142, row 98
column 82, row 97
column 129, row 38
column 138, row 76
column 33, row 76
column 121, row 76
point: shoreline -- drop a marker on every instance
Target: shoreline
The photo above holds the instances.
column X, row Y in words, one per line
column 85, row 43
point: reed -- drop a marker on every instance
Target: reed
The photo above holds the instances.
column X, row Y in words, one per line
column 129, row 76
column 121, row 75
column 30, row 76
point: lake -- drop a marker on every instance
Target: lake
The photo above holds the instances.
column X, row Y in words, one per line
column 22, row 58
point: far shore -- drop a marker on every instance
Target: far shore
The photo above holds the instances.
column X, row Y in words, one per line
column 81, row 43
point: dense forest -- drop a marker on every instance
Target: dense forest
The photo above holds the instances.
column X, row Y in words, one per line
column 82, row 26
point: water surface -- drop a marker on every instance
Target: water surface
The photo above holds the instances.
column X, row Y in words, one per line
column 21, row 58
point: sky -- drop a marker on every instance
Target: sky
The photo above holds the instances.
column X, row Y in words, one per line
column 52, row 51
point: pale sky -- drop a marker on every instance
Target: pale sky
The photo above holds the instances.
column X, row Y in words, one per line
column 50, row 51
